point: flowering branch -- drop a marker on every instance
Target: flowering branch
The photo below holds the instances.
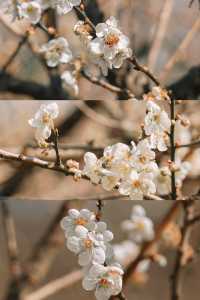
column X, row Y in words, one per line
column 184, row 253
column 173, row 148
column 148, row 246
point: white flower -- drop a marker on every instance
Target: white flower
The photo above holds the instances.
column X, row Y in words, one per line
column 116, row 152
column 163, row 181
column 30, row 10
column 137, row 185
column 83, row 31
column 182, row 170
column 75, row 218
column 127, row 250
column 57, row 51
column 43, row 121
column 140, row 227
column 159, row 94
column 156, row 120
column 109, row 45
column 92, row 168
column 143, row 266
column 109, row 180
column 70, row 81
column 159, row 140
column 86, row 244
column 142, row 155
column 65, row 6
column 105, row 280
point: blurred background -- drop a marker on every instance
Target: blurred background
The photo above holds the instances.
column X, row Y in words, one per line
column 26, row 77
column 93, row 124
column 32, row 220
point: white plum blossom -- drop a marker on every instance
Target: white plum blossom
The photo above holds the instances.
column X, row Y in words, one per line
column 105, row 280
column 92, row 168
column 163, row 181
column 30, row 10
column 110, row 47
column 57, row 51
column 142, row 156
column 70, row 82
column 182, row 170
column 84, row 218
column 83, row 31
column 157, row 94
column 126, row 250
column 137, row 185
column 65, row 6
column 156, row 125
column 89, row 248
column 43, row 121
column 139, row 227
column 130, row 170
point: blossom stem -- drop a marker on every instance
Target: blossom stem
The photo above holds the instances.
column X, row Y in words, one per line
column 55, row 145
column 99, row 211
column 87, row 20
column 143, row 69
column 172, row 148
column 176, row 278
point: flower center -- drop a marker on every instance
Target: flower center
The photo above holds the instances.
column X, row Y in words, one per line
column 140, row 225
column 111, row 40
column 81, row 221
column 30, row 9
column 136, row 184
column 157, row 118
column 104, row 282
column 88, row 243
column 142, row 159
column 45, row 118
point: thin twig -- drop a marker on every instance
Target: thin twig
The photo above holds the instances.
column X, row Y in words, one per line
column 143, row 69
column 106, row 85
column 176, row 282
column 172, row 148
column 54, row 137
column 192, row 144
column 34, row 162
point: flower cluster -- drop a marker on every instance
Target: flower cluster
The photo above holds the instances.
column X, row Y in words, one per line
column 157, row 126
column 32, row 9
column 130, row 170
column 140, row 229
column 56, row 52
column 43, row 122
column 109, row 48
column 90, row 240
